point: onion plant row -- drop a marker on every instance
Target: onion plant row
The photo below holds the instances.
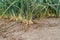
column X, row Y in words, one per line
column 28, row 9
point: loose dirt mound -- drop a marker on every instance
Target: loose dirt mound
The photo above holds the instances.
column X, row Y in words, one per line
column 43, row 29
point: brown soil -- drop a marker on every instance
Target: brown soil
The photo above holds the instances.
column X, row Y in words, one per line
column 43, row 29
